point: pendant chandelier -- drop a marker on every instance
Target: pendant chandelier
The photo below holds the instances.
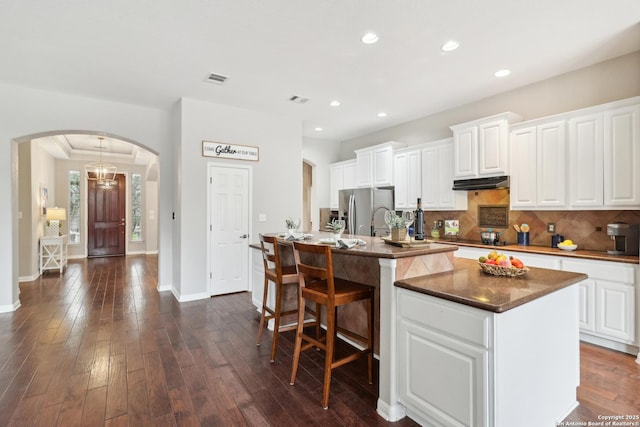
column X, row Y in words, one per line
column 103, row 173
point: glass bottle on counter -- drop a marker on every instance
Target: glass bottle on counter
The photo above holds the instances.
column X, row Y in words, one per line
column 419, row 221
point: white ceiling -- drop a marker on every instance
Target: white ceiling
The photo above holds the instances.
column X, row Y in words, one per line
column 154, row 52
column 77, row 146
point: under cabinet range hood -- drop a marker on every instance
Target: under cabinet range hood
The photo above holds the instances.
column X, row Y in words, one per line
column 489, row 183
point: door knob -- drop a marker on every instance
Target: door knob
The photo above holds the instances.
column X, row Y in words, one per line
column 244, row 236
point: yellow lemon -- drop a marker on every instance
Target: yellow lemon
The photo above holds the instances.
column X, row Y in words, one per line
column 567, row 243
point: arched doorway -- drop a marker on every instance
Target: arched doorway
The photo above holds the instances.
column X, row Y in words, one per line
column 47, row 160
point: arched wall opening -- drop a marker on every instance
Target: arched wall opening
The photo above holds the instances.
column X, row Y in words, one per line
column 39, row 172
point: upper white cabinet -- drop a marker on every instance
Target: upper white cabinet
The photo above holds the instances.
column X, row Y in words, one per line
column 622, row 157
column 604, row 149
column 375, row 164
column 586, row 165
column 481, row 147
column 407, row 178
column 539, row 167
column 437, row 178
column 341, row 175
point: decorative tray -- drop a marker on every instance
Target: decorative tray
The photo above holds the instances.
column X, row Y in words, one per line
column 405, row 243
column 497, row 270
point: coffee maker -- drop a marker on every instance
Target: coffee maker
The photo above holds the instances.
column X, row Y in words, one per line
column 625, row 238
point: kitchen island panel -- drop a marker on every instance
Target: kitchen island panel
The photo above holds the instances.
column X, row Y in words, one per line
column 461, row 366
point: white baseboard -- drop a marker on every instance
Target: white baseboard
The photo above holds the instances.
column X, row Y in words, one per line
column 9, row 308
column 28, row 278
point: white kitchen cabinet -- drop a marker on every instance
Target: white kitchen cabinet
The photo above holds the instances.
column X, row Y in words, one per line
column 341, row 175
column 587, row 305
column 615, row 310
column 437, row 178
column 604, row 151
column 375, row 164
column 622, row 157
column 364, row 167
column 604, row 147
column 462, row 366
column 481, row 147
column 608, row 308
column 539, row 166
column 407, row 178
column 586, row 165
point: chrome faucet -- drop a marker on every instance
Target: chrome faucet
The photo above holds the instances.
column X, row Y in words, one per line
column 373, row 214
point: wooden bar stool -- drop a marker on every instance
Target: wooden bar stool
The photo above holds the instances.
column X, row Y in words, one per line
column 280, row 276
column 317, row 284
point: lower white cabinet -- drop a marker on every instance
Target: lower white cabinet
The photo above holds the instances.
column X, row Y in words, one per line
column 462, row 366
column 609, row 301
column 587, row 305
column 257, row 277
column 608, row 308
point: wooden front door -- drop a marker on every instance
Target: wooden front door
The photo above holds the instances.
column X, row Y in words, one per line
column 106, row 218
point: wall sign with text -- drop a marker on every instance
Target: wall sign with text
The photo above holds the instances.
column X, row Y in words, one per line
column 222, row 150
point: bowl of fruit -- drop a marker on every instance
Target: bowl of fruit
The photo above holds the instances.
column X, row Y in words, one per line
column 501, row 265
column 567, row 245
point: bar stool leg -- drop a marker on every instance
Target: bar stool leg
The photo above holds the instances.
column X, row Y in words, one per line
column 328, row 361
column 276, row 324
column 370, row 311
column 262, row 313
column 298, row 343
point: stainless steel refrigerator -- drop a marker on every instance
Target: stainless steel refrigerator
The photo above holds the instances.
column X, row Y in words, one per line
column 363, row 210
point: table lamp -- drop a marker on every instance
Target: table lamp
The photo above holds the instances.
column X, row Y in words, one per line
column 54, row 216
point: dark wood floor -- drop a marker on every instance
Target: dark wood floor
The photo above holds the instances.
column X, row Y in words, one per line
column 100, row 346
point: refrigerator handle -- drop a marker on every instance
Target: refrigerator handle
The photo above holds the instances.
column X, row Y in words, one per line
column 352, row 213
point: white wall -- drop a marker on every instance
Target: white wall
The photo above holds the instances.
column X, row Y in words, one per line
column 26, row 112
column 276, row 186
column 608, row 81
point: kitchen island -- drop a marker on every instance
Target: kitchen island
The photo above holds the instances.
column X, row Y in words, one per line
column 402, row 274
column 377, row 264
column 482, row 350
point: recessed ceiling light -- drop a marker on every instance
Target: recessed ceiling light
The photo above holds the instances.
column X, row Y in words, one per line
column 318, row 129
column 370, row 38
column 502, row 73
column 382, row 114
column 449, row 46
column 335, row 103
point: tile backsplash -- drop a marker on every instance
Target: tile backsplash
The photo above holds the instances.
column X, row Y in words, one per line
column 579, row 226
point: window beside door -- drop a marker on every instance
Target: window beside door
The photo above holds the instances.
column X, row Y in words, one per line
column 136, row 207
column 73, row 216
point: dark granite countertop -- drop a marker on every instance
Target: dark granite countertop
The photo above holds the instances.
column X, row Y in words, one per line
column 545, row 250
column 375, row 247
column 468, row 285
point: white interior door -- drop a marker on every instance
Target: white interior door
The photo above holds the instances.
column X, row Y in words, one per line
column 229, row 229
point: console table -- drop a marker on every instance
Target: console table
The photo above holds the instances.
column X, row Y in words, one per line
column 53, row 253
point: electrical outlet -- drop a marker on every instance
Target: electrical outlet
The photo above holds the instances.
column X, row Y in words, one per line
column 598, row 228
column 262, row 217
column 440, row 223
column 551, row 228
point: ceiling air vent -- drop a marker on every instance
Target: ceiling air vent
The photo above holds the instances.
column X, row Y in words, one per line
column 217, row 78
column 298, row 99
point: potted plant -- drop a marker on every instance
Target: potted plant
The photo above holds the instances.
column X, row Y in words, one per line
column 398, row 226
column 336, row 227
column 292, row 225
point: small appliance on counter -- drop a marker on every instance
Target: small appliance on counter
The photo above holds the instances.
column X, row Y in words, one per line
column 490, row 237
column 626, row 240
